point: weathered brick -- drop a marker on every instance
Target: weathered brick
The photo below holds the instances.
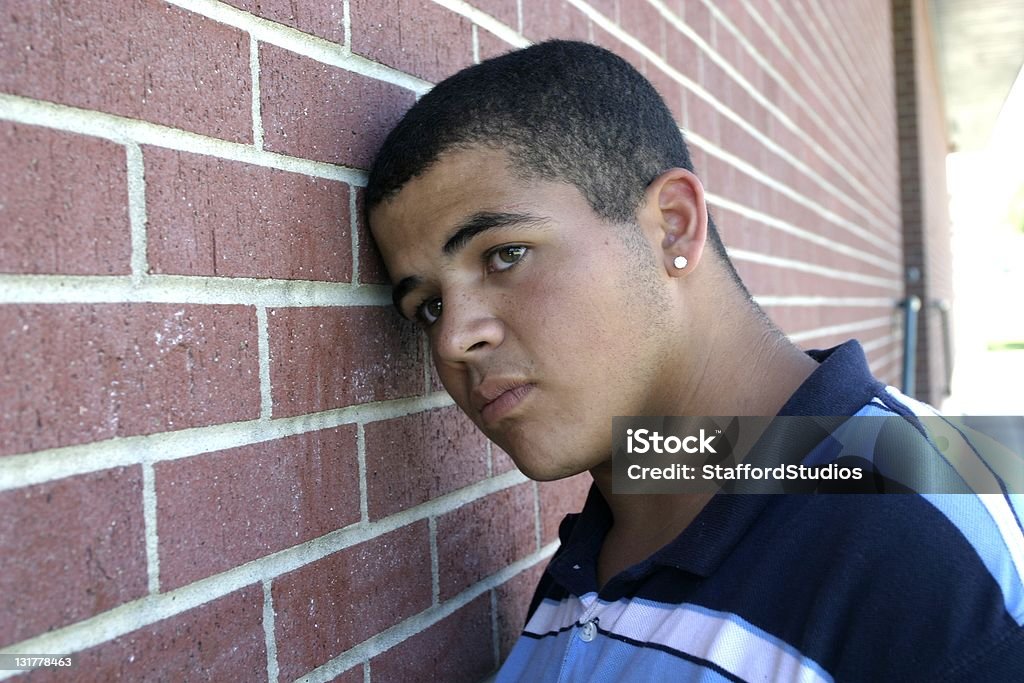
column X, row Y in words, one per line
column 324, row 18
column 210, row 216
column 559, row 498
column 415, row 36
column 218, row 510
column 544, row 19
column 610, row 42
column 371, row 264
column 610, row 8
column 63, row 203
column 490, row 45
column 142, row 59
column 457, row 648
column 333, row 604
column 77, row 373
column 353, row 675
column 802, row 319
column 323, row 358
column 505, row 11
column 480, row 538
column 70, row 549
column 502, row 461
column 320, row 112
column 221, row 640
column 513, row 602
column 412, row 459
column 644, row 22
column 698, row 17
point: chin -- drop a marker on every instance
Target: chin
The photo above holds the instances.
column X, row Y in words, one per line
column 539, row 468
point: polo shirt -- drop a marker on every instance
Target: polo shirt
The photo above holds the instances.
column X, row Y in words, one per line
column 844, row 587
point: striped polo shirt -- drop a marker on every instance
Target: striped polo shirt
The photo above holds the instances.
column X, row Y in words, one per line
column 843, row 587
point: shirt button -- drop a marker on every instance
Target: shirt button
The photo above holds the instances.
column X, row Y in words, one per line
column 588, row 632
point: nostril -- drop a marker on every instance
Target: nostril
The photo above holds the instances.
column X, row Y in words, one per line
column 476, row 346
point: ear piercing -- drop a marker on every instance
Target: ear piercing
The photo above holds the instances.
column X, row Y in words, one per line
column 679, row 262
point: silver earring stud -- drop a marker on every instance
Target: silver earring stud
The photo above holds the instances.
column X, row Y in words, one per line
column 679, row 262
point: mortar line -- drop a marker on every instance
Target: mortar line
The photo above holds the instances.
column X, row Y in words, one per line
column 149, row 515
column 263, row 344
column 124, row 130
column 187, row 289
column 269, row 620
column 254, row 75
column 364, row 504
column 27, row 469
column 353, row 226
column 136, row 175
column 435, row 571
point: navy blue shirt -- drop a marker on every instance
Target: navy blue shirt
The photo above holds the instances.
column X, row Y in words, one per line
column 845, row 587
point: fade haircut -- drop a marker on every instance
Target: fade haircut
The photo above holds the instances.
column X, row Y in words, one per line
column 562, row 110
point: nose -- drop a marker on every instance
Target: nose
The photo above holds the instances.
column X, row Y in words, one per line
column 468, row 328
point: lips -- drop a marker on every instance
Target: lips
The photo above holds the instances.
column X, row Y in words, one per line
column 498, row 399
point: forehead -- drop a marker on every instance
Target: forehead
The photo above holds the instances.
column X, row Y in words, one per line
column 418, row 219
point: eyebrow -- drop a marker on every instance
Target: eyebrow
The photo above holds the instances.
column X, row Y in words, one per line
column 460, row 237
column 483, row 221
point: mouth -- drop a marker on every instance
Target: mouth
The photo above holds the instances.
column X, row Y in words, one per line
column 504, row 403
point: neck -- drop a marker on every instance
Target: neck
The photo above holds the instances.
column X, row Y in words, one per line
column 744, row 367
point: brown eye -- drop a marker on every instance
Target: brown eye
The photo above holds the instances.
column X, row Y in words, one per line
column 429, row 311
column 504, row 258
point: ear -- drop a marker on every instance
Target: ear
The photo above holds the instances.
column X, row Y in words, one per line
column 674, row 210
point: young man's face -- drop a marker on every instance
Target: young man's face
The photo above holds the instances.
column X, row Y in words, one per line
column 543, row 324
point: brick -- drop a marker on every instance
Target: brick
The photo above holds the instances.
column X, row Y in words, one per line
column 221, row 640
column 610, row 8
column 703, row 119
column 799, row 319
column 333, row 604
column 502, row 461
column 415, row 36
column 70, row 549
column 353, row 675
column 610, row 42
column 219, row 510
column 216, row 217
column 324, row 358
column 457, row 648
column 544, row 19
column 142, row 59
column 324, row 18
column 371, row 263
column 505, row 11
column 412, row 459
column 320, row 112
column 513, row 602
column 63, row 203
column 559, row 498
column 490, row 45
column 698, row 17
column 71, row 374
column 644, row 22
column 481, row 537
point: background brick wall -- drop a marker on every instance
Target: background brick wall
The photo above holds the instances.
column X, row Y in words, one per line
column 923, row 193
column 222, row 456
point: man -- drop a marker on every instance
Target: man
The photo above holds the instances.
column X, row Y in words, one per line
column 540, row 217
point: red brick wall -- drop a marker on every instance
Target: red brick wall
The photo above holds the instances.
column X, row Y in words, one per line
column 221, row 455
column 923, row 190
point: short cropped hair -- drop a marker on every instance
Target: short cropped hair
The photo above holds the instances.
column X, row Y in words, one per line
column 563, row 110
